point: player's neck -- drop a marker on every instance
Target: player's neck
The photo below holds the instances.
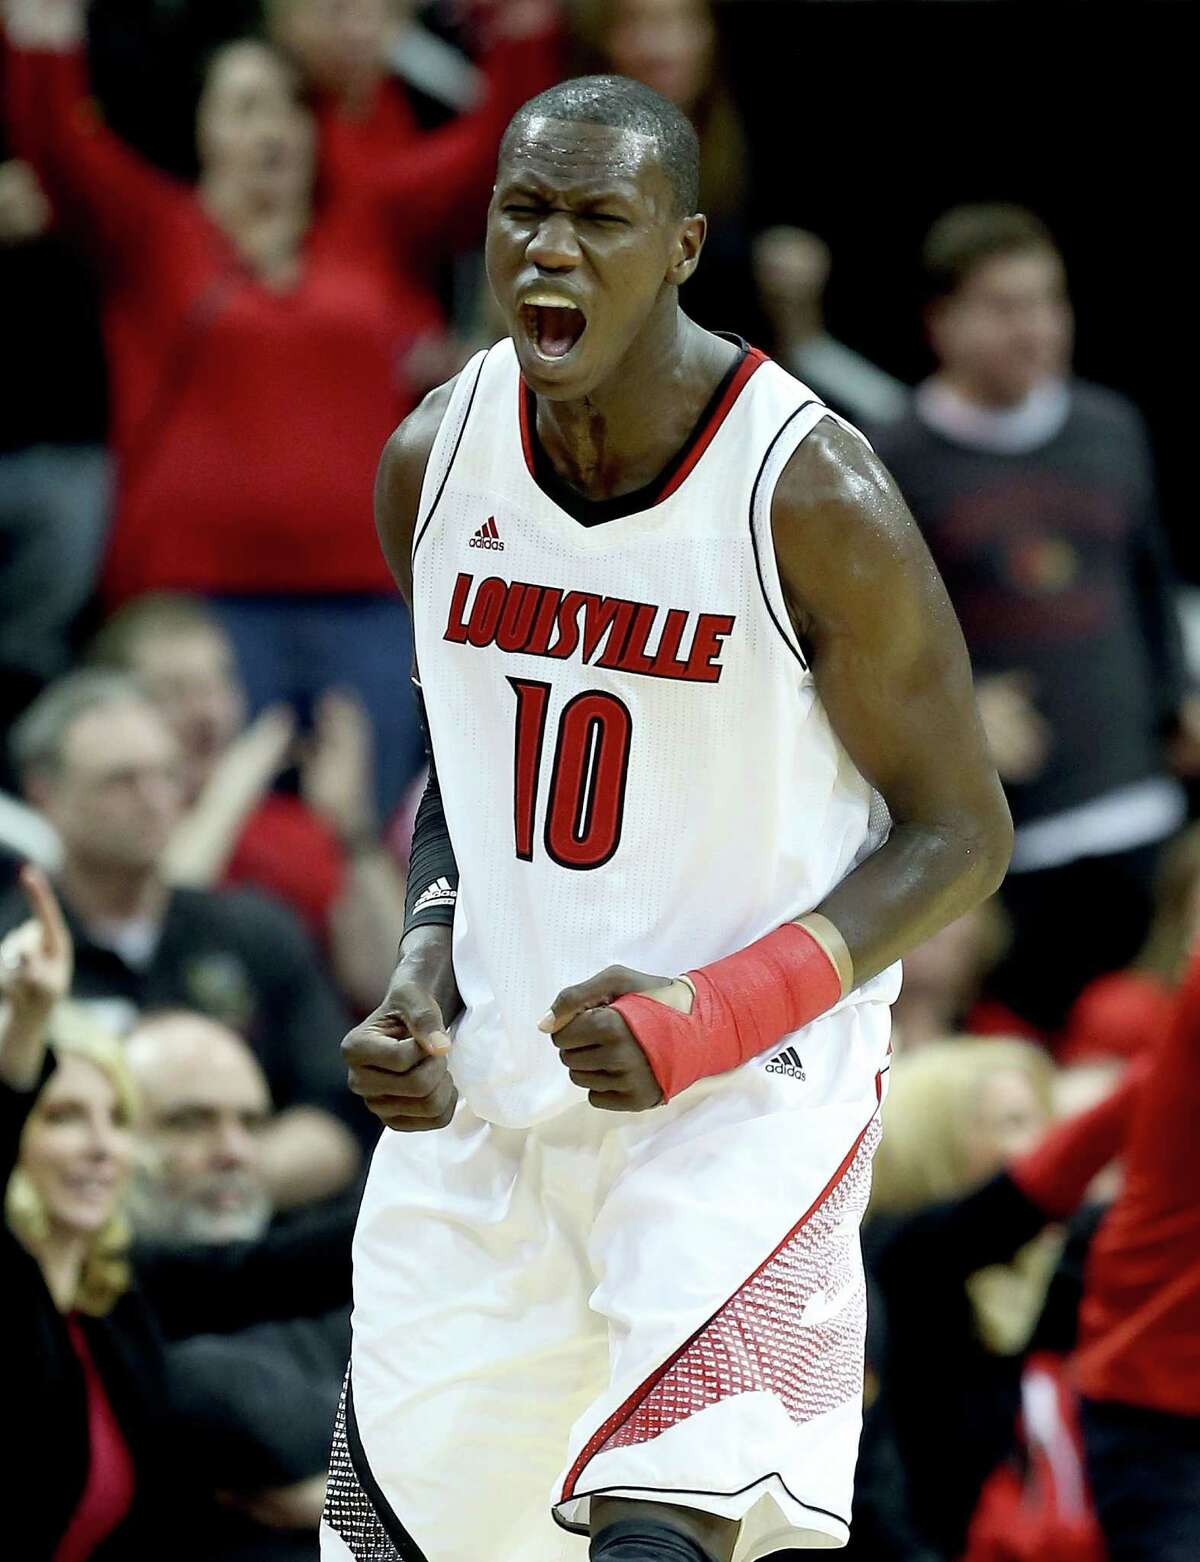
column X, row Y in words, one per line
column 608, row 444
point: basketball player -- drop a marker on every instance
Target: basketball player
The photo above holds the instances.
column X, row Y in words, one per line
column 676, row 636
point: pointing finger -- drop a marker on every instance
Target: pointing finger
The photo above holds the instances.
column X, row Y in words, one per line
column 56, row 940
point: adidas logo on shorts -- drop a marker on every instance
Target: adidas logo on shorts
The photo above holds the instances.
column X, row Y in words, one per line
column 487, row 536
column 787, row 1062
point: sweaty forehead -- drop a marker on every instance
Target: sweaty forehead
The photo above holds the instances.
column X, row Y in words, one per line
column 573, row 155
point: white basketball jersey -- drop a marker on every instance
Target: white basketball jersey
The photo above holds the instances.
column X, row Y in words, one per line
column 634, row 763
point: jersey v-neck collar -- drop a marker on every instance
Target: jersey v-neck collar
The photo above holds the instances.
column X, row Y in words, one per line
column 593, row 512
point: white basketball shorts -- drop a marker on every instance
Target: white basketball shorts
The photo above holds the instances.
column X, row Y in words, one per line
column 668, row 1306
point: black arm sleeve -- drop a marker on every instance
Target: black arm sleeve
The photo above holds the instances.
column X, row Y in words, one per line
column 432, row 869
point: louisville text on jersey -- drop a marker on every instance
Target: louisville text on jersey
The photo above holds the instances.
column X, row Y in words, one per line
column 546, row 621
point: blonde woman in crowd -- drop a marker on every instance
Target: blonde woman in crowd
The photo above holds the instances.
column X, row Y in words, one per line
column 82, row 1364
column 960, row 1295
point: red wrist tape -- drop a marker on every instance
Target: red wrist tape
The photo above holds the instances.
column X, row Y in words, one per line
column 744, row 1004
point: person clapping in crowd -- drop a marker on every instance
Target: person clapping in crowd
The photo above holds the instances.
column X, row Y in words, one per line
column 98, row 760
column 369, row 120
column 319, row 849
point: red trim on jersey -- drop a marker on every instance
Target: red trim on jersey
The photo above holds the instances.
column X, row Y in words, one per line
column 526, row 435
column 750, row 364
column 630, row 1404
column 702, row 438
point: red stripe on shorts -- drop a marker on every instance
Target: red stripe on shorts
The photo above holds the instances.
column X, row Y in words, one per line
column 756, row 1340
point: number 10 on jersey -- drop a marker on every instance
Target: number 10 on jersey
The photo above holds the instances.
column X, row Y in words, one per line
column 585, row 801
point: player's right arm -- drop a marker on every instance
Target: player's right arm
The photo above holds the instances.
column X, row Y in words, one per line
column 396, row 1058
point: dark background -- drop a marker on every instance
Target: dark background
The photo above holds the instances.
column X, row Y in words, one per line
column 865, row 120
column 868, row 119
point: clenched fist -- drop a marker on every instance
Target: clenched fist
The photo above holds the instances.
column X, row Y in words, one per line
column 396, row 1059
column 597, row 1047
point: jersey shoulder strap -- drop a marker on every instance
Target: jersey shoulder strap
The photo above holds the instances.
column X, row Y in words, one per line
column 796, row 411
column 447, row 441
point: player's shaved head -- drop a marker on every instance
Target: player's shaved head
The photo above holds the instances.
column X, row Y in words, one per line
column 622, row 104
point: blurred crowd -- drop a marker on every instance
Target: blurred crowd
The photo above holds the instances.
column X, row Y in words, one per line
column 238, row 243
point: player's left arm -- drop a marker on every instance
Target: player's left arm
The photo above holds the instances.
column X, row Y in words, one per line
column 894, row 677
column 892, row 670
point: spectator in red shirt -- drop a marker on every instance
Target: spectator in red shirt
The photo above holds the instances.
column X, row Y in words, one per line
column 1127, row 1012
column 1138, row 1363
column 321, row 850
column 256, row 328
column 370, row 133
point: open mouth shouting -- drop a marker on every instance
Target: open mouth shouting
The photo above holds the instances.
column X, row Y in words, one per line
column 553, row 322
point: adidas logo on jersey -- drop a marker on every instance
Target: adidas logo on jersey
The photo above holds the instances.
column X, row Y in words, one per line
column 787, row 1062
column 440, row 893
column 487, row 536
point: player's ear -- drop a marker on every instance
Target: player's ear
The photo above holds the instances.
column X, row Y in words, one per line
column 685, row 254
